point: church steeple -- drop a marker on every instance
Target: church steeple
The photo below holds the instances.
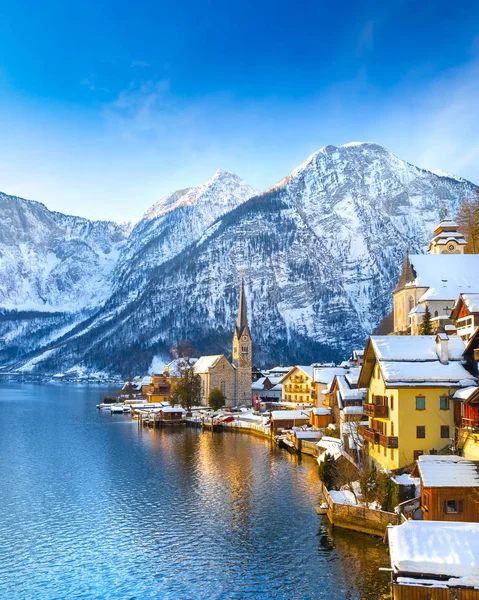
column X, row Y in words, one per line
column 242, row 320
column 242, row 349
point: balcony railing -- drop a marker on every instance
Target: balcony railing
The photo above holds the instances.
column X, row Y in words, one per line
column 388, row 441
column 369, row 435
column 378, row 411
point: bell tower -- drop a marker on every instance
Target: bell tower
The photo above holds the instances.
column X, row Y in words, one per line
column 242, row 347
column 448, row 239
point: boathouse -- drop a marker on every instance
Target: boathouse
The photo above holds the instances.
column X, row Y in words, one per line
column 434, row 560
column 449, row 488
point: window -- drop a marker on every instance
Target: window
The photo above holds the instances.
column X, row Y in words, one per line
column 420, row 403
column 421, row 431
column 244, row 349
column 392, row 402
column 411, row 303
column 444, row 431
column 385, row 451
column 223, row 388
column 451, row 506
column 444, row 403
column 436, row 314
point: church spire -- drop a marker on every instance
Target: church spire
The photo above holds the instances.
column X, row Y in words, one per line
column 242, row 321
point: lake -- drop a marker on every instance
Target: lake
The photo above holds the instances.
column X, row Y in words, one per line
column 94, row 507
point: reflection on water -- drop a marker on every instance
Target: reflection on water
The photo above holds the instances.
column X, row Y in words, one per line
column 94, row 507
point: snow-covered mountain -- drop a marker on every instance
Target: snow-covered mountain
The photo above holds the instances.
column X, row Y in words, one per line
column 173, row 223
column 54, row 262
column 322, row 251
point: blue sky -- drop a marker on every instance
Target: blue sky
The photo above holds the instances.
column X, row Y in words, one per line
column 107, row 106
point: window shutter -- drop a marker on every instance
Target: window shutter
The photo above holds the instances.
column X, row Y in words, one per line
column 460, row 506
column 444, row 506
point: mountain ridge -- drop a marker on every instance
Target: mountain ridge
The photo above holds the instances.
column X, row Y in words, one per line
column 322, row 250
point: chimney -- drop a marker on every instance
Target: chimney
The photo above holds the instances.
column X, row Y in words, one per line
column 442, row 348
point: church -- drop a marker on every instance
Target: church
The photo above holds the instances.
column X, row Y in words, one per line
column 436, row 280
column 233, row 379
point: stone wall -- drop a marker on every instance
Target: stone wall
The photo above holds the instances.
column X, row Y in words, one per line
column 358, row 518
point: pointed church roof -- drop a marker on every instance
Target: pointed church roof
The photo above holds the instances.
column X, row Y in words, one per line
column 407, row 275
column 242, row 321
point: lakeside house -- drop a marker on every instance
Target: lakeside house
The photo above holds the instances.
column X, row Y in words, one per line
column 298, row 385
column 449, row 488
column 410, row 381
column 287, row 419
column 434, row 560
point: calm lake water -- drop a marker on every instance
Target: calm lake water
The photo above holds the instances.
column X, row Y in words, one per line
column 93, row 507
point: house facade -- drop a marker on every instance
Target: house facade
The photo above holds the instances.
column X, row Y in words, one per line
column 465, row 314
column 409, row 383
column 298, row 385
column 449, row 488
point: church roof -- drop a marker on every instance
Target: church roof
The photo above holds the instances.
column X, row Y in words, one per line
column 204, row 363
column 445, row 275
column 242, row 321
column 407, row 275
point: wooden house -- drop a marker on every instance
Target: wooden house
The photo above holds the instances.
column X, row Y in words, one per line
column 320, row 418
column 449, row 488
column 171, row 414
column 286, row 419
column 433, row 560
column 465, row 314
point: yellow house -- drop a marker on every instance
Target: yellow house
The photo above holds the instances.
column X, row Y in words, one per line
column 161, row 387
column 410, row 381
column 298, row 385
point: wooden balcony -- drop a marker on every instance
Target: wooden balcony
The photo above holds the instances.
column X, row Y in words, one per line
column 388, row 441
column 369, row 435
column 377, row 411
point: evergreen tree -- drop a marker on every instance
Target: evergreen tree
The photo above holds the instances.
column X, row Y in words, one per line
column 216, row 399
column 426, row 327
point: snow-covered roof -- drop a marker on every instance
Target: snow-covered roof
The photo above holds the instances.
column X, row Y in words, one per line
column 321, row 411
column 172, row 409
column 431, row 548
column 472, row 301
column 307, row 370
column 258, row 384
column 174, row 366
column 287, row 415
column 204, row 363
column 326, row 374
column 427, row 372
column 346, row 392
column 414, row 347
column 466, row 393
column 445, row 275
column 448, row 471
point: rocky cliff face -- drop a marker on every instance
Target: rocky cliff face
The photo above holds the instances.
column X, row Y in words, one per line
column 50, row 261
column 322, row 251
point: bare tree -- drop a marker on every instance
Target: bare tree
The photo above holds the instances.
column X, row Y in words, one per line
column 468, row 221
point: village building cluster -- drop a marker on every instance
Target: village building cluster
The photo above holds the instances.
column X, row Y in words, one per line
column 407, row 406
